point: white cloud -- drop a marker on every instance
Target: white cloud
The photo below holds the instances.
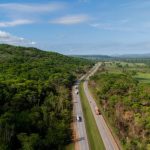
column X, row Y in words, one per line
column 112, row 27
column 71, row 19
column 30, row 8
column 8, row 38
column 15, row 23
column 123, row 26
column 4, row 35
column 32, row 43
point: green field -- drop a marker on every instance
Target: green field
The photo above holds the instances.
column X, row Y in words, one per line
column 143, row 77
column 142, row 71
column 95, row 141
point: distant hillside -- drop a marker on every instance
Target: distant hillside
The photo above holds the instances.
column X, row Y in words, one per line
column 93, row 57
column 24, row 57
column 113, row 57
column 8, row 53
column 133, row 56
column 35, row 97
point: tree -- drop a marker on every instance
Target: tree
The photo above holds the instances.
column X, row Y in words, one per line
column 29, row 142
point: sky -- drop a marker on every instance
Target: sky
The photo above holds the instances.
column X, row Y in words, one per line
column 71, row 27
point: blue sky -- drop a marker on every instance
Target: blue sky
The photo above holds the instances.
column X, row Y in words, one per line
column 77, row 26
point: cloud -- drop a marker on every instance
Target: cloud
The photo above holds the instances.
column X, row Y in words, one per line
column 123, row 26
column 15, row 23
column 113, row 26
column 32, row 43
column 4, row 35
column 8, row 38
column 30, row 8
column 71, row 19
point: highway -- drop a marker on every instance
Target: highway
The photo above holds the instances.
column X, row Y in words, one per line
column 81, row 141
column 107, row 137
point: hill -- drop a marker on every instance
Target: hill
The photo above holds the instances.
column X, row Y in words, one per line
column 124, row 57
column 94, row 57
column 133, row 56
column 35, row 99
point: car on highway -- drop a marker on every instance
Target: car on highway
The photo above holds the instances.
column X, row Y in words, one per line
column 79, row 119
column 76, row 87
column 76, row 92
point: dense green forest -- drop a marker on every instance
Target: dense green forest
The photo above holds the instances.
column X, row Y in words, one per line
column 35, row 97
column 123, row 94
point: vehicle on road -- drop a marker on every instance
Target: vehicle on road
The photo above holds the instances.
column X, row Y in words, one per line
column 76, row 92
column 79, row 119
column 76, row 87
column 97, row 111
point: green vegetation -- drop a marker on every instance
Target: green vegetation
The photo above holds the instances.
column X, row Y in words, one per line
column 70, row 147
column 95, row 141
column 95, row 57
column 35, row 98
column 107, row 120
column 143, row 77
column 125, row 100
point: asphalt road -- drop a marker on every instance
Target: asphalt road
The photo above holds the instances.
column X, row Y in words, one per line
column 108, row 139
column 81, row 141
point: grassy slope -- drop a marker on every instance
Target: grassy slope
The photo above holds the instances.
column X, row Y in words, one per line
column 94, row 138
column 143, row 73
column 143, row 77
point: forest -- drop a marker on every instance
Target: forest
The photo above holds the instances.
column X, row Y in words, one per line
column 35, row 98
column 123, row 95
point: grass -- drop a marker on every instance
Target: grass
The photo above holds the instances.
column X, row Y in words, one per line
column 143, row 73
column 130, row 64
column 143, row 77
column 94, row 138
